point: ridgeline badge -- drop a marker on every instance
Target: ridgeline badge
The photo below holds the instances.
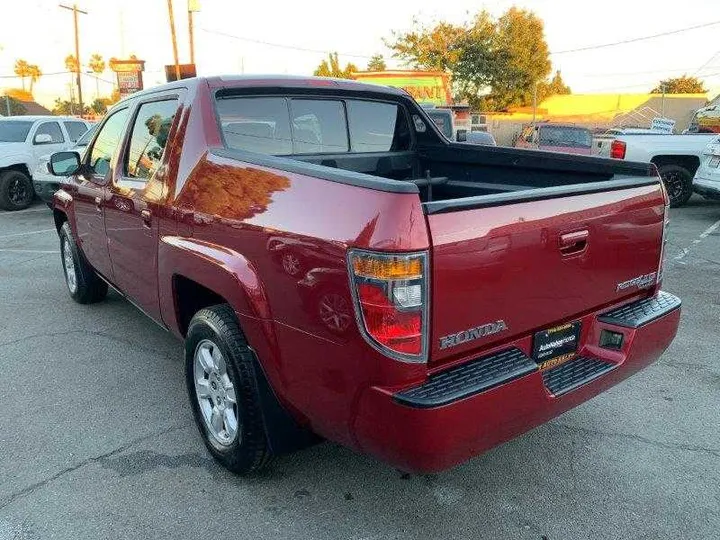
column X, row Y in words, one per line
column 471, row 334
column 641, row 282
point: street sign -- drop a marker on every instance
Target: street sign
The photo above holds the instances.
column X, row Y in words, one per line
column 663, row 125
column 129, row 75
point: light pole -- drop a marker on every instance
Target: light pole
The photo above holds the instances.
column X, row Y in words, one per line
column 75, row 11
column 174, row 40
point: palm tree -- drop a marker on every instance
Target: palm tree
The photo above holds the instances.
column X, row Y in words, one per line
column 22, row 70
column 34, row 73
column 97, row 64
column 71, row 63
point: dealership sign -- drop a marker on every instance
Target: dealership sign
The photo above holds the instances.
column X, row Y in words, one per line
column 129, row 75
column 425, row 86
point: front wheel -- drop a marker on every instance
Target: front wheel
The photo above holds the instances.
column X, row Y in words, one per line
column 84, row 285
column 678, row 183
column 16, row 190
column 223, row 390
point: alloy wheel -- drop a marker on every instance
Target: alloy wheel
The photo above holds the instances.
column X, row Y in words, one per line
column 215, row 393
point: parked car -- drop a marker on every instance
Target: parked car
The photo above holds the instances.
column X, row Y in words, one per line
column 480, row 137
column 47, row 184
column 23, row 140
column 705, row 120
column 677, row 157
column 707, row 177
column 556, row 138
column 491, row 289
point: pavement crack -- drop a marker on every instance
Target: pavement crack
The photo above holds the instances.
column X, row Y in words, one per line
column 669, row 446
column 42, row 483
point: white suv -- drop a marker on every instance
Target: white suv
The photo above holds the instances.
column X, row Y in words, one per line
column 23, row 141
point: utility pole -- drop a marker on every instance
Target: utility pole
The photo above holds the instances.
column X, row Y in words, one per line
column 174, row 40
column 7, row 103
column 663, row 100
column 75, row 11
column 192, row 6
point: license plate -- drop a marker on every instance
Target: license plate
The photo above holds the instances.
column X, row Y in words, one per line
column 556, row 345
column 714, row 162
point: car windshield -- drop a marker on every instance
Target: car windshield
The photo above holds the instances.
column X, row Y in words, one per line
column 14, row 131
column 85, row 139
column 565, row 136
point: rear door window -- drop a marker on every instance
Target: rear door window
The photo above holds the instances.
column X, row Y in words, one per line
column 377, row 127
column 256, row 124
column 106, row 143
column 318, row 126
column 75, row 130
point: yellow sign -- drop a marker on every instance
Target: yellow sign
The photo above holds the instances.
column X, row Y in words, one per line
column 425, row 86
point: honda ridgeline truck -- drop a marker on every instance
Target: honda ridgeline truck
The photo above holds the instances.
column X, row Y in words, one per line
column 335, row 266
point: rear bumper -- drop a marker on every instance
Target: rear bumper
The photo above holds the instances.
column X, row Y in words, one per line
column 406, row 428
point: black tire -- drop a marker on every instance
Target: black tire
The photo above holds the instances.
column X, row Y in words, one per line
column 678, row 183
column 16, row 190
column 249, row 450
column 89, row 288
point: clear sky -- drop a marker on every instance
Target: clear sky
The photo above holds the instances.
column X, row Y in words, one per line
column 40, row 32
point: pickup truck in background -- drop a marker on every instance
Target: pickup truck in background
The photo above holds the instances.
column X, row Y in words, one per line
column 23, row 141
column 677, row 157
column 707, row 177
column 443, row 297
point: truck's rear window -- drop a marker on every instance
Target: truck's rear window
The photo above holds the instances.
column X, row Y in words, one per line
column 286, row 126
column 569, row 137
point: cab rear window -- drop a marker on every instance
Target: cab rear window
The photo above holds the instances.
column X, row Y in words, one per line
column 298, row 126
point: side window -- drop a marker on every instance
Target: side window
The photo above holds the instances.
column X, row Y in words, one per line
column 318, row 126
column 107, row 142
column 149, row 137
column 256, row 124
column 75, row 130
column 52, row 129
column 377, row 127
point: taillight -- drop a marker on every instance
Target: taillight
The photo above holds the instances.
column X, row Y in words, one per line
column 391, row 302
column 666, row 222
column 617, row 149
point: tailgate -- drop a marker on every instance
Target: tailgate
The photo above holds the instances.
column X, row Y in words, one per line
column 535, row 264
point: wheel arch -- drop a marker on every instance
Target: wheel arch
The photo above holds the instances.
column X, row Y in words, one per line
column 689, row 162
column 20, row 167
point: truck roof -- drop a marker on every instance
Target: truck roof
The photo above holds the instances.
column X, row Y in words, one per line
column 279, row 81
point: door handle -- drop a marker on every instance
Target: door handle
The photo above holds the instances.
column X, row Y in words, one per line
column 98, row 203
column 574, row 242
column 146, row 217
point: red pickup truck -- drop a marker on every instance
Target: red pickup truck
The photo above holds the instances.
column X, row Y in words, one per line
column 337, row 267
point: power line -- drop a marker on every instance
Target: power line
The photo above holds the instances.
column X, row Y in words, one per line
column 282, row 46
column 709, row 61
column 634, row 40
column 640, row 85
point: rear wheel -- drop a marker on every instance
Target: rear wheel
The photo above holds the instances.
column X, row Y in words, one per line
column 223, row 389
column 678, row 183
column 84, row 285
column 16, row 190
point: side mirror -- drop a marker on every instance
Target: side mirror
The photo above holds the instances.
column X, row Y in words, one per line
column 42, row 138
column 64, row 163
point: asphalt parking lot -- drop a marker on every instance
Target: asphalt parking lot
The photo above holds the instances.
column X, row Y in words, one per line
column 97, row 439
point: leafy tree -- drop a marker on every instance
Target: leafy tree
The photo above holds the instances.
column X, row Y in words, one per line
column 22, row 70
column 680, row 85
column 99, row 106
column 71, row 63
column 331, row 68
column 494, row 63
column 16, row 106
column 377, row 63
column 96, row 63
column 555, row 87
column 64, row 107
column 34, row 73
